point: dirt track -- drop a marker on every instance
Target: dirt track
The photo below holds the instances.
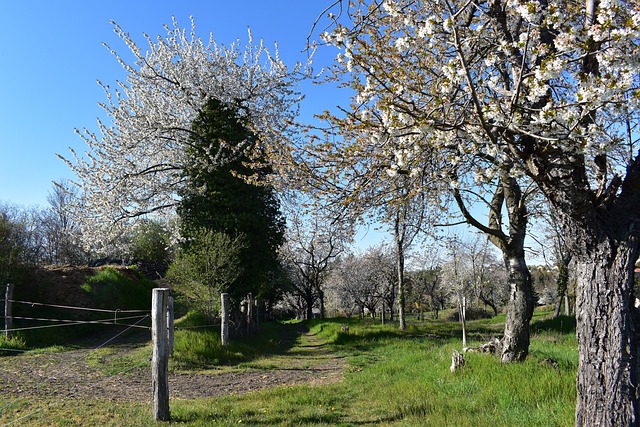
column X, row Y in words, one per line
column 68, row 375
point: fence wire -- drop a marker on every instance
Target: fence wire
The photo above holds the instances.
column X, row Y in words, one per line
column 70, row 307
column 70, row 322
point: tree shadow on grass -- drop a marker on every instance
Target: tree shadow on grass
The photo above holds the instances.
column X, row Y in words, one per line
column 560, row 324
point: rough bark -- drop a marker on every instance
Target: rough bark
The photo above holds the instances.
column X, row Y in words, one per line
column 602, row 235
column 515, row 344
column 607, row 324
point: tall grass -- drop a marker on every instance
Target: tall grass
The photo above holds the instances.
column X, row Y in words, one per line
column 9, row 345
column 403, row 377
column 197, row 344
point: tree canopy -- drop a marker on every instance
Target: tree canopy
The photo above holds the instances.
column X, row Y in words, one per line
column 135, row 164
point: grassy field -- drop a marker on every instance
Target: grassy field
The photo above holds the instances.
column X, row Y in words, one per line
column 392, row 378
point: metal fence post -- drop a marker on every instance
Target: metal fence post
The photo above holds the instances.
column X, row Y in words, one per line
column 8, row 311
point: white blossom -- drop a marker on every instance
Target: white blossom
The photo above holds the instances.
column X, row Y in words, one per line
column 134, row 164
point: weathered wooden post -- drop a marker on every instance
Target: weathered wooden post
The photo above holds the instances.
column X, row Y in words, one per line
column 224, row 326
column 249, row 313
column 160, row 358
column 8, row 311
column 170, row 327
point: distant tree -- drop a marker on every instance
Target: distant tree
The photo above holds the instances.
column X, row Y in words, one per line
column 384, row 262
column 60, row 233
column 492, row 289
column 312, row 244
column 354, row 287
column 366, row 280
column 545, row 281
column 428, row 291
column 15, row 250
column 489, row 276
column 555, row 242
column 457, row 274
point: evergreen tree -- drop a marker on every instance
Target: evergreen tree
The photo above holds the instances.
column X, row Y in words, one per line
column 219, row 198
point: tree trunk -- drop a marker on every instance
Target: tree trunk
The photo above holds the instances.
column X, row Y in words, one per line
column 322, row 309
column 607, row 323
column 401, row 296
column 390, row 306
column 491, row 304
column 494, row 307
column 563, row 281
column 556, row 310
column 515, row 344
column 308, row 301
column 399, row 236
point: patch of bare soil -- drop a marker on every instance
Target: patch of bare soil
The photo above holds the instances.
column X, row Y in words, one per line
column 69, row 375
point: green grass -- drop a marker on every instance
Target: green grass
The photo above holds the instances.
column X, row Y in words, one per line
column 197, row 345
column 111, row 289
column 393, row 378
column 9, row 344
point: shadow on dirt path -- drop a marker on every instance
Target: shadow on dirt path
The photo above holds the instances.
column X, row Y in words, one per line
column 77, row 374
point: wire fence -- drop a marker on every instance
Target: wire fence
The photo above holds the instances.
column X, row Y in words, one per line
column 80, row 358
column 117, row 318
column 34, row 315
column 125, row 320
column 70, row 307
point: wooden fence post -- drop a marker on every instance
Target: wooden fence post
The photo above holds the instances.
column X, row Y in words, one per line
column 249, row 313
column 160, row 358
column 8, row 311
column 224, row 326
column 170, row 326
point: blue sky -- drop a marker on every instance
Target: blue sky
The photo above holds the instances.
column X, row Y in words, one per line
column 52, row 55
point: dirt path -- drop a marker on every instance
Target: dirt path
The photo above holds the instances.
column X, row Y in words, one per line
column 69, row 375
